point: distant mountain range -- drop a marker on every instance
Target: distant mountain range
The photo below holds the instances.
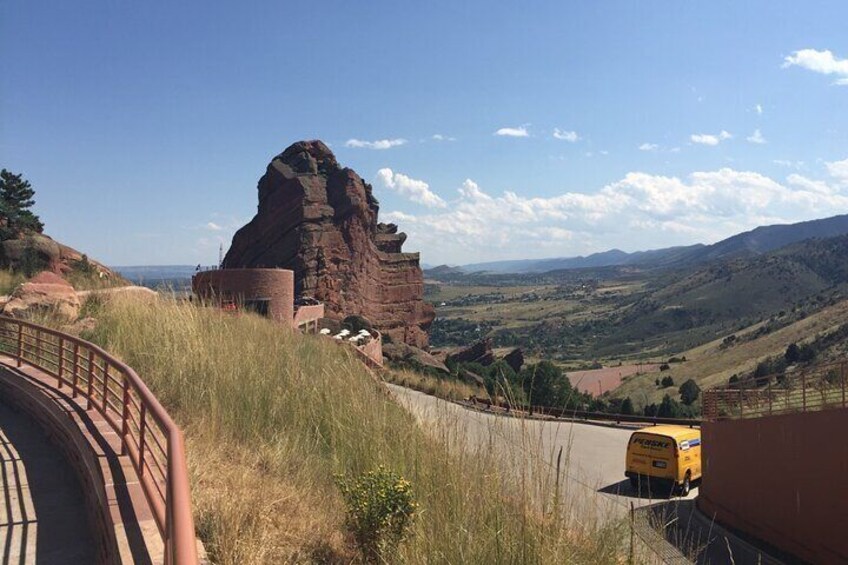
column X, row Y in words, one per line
column 158, row 275
column 747, row 244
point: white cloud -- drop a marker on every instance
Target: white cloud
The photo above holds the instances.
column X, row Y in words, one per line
column 823, row 62
column 759, row 109
column 513, row 132
column 710, row 139
column 756, row 137
column 639, row 211
column 213, row 226
column 378, row 144
column 570, row 136
column 416, row 190
column 789, row 164
column 838, row 170
column 398, row 216
column 649, row 147
column 818, row 186
column 440, row 137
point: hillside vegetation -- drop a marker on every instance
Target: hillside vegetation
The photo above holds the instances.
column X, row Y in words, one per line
column 270, row 416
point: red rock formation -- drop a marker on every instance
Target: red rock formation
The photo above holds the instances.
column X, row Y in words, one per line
column 50, row 254
column 320, row 220
column 46, row 292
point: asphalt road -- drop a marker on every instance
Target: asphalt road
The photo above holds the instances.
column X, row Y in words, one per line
column 592, row 475
column 592, row 462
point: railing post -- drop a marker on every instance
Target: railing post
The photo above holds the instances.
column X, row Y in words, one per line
column 142, row 428
column 768, row 393
column 169, row 510
column 125, row 416
column 804, row 392
column 61, row 359
column 741, row 401
column 105, row 384
column 75, row 376
column 20, row 344
column 37, row 352
column 90, row 379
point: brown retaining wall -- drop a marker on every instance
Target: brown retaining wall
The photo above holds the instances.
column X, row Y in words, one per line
column 243, row 285
column 782, row 479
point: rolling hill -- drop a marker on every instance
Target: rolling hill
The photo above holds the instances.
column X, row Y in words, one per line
column 747, row 244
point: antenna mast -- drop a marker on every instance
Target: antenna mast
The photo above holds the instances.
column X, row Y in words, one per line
column 221, row 255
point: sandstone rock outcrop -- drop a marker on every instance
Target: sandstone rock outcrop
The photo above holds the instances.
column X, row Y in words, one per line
column 479, row 352
column 402, row 353
column 46, row 292
column 320, row 220
column 39, row 250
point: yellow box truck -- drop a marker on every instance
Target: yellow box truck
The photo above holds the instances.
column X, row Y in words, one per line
column 667, row 454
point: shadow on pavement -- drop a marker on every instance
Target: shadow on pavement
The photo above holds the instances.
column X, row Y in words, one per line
column 682, row 526
column 644, row 491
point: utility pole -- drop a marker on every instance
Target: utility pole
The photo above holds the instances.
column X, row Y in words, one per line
column 221, row 255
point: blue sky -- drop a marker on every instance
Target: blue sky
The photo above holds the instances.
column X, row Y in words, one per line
column 144, row 126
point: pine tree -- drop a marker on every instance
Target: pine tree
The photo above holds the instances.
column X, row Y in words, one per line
column 16, row 199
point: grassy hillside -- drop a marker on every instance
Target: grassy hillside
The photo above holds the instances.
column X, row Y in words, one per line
column 713, row 363
column 270, row 416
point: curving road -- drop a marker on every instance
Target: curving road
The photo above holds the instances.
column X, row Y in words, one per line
column 592, row 466
column 592, row 474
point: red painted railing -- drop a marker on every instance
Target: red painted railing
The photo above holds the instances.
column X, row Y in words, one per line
column 814, row 388
column 149, row 437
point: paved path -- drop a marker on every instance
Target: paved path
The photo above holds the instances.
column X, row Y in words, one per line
column 42, row 512
column 592, row 473
column 592, row 455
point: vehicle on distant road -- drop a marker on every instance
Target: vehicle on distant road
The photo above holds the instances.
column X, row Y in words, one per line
column 669, row 455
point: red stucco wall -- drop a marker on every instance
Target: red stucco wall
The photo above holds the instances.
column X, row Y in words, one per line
column 782, row 479
column 276, row 285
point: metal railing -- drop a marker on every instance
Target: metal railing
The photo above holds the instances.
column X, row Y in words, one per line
column 571, row 414
column 810, row 389
column 149, row 437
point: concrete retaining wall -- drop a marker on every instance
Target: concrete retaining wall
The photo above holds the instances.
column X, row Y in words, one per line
column 308, row 316
column 782, row 479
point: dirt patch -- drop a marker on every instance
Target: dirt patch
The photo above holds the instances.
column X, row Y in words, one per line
column 599, row 381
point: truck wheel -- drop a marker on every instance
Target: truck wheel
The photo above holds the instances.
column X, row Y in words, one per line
column 684, row 488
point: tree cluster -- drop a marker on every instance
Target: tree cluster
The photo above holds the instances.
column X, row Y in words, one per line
column 16, row 199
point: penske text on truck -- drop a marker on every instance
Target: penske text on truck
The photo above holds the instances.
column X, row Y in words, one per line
column 667, row 455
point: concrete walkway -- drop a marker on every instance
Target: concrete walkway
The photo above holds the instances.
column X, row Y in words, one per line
column 42, row 512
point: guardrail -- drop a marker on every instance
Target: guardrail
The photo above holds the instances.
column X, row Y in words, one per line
column 148, row 435
column 565, row 413
column 809, row 389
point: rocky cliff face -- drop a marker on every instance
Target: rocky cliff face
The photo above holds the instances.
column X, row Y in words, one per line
column 320, row 220
column 37, row 252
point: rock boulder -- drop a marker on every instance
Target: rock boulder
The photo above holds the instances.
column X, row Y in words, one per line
column 401, row 352
column 46, row 292
column 320, row 220
column 479, row 352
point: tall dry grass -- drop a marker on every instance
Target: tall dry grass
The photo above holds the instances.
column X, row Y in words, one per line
column 448, row 388
column 269, row 417
column 9, row 279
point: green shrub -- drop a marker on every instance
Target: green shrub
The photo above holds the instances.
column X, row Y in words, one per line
column 380, row 509
column 689, row 392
